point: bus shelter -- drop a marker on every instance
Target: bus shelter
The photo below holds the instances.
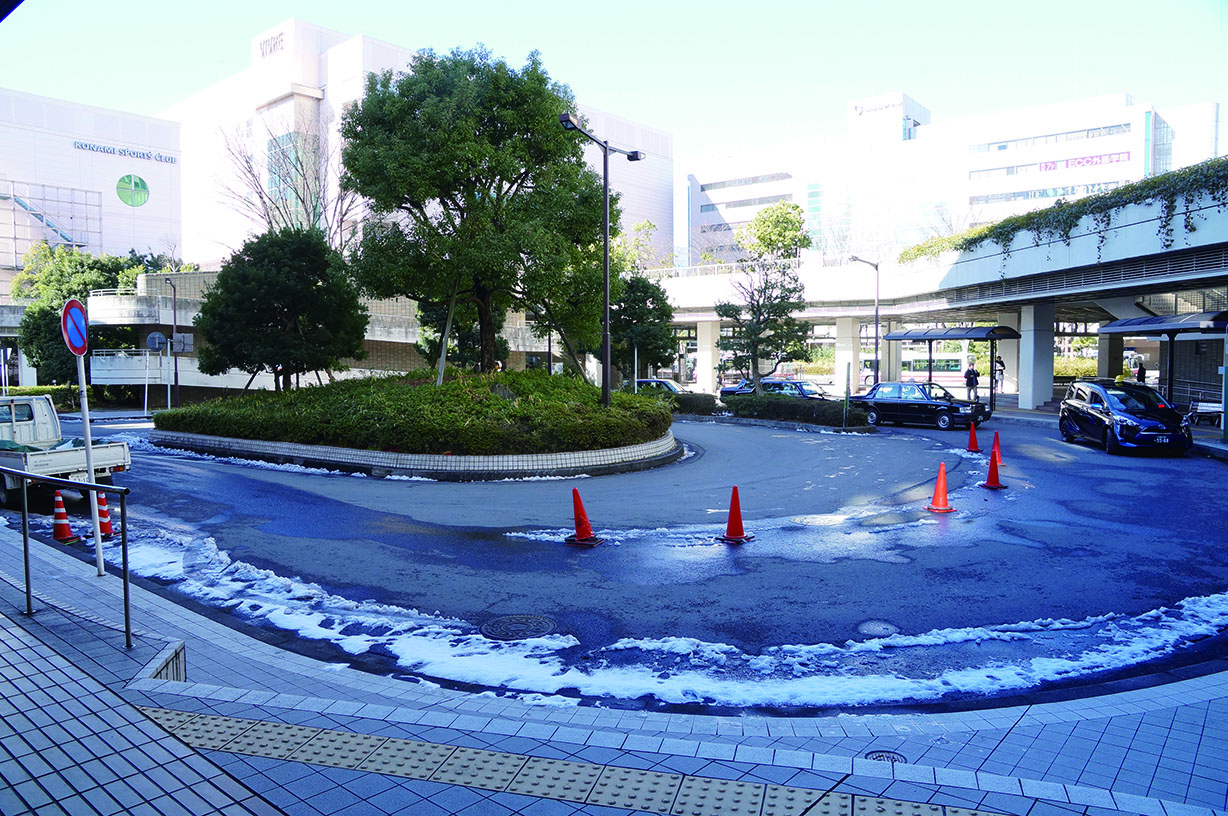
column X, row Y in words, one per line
column 992, row 334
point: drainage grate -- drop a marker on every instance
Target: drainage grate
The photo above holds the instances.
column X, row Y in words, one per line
column 517, row 627
column 886, row 756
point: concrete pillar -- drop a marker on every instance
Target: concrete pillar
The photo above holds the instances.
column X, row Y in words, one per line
column 1036, row 355
column 1008, row 350
column 848, row 353
column 707, row 356
column 1110, row 350
column 891, row 354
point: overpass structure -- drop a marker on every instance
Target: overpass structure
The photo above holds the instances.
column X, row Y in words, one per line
column 1151, row 259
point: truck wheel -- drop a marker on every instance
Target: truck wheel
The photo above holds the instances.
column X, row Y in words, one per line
column 10, row 497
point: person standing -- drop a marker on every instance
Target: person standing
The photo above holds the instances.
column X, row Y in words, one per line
column 1142, row 371
column 999, row 372
column 972, row 378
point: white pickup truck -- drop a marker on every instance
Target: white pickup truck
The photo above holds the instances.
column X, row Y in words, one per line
column 30, row 440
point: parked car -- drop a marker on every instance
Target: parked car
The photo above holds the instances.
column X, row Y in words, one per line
column 803, row 389
column 653, row 386
column 1122, row 416
column 921, row 403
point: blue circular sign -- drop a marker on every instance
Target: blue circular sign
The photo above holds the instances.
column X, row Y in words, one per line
column 75, row 327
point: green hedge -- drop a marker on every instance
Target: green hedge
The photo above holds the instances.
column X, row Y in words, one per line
column 65, row 397
column 513, row 412
column 695, row 404
column 792, row 409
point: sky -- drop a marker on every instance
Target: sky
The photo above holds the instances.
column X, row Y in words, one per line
column 721, row 77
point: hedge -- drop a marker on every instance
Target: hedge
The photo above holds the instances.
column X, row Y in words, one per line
column 792, row 409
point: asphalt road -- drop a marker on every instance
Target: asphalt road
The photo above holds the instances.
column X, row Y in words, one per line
column 844, row 547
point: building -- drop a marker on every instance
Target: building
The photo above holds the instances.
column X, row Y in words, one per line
column 100, row 180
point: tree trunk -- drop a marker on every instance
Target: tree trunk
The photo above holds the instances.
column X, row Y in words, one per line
column 486, row 326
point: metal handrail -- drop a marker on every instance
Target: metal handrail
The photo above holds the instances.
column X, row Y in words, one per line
column 28, row 478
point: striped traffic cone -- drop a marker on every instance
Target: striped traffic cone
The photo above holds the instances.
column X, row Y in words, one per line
column 104, row 517
column 60, row 530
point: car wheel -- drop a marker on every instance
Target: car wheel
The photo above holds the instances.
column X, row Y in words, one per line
column 872, row 416
column 943, row 421
column 1063, row 427
column 1111, row 445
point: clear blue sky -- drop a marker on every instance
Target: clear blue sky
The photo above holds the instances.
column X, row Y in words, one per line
column 712, row 73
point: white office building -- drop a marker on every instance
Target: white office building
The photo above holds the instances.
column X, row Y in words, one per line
column 100, row 180
column 285, row 110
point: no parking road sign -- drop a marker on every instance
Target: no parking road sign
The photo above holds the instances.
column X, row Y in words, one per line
column 74, row 327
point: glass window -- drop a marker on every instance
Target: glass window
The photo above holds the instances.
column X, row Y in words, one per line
column 887, row 391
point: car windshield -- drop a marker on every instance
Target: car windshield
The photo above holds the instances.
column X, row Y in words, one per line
column 1135, row 399
column 938, row 392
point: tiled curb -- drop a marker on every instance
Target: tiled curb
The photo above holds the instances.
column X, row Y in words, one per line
column 445, row 468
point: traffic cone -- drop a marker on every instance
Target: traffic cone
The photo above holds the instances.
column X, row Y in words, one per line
column 939, row 503
column 60, row 530
column 997, row 449
column 973, row 446
column 104, row 517
column 992, row 482
column 584, row 531
column 734, row 534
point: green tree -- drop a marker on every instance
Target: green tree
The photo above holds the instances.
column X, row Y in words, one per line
column 765, row 332
column 640, row 327
column 283, row 304
column 464, row 344
column 49, row 277
column 480, row 194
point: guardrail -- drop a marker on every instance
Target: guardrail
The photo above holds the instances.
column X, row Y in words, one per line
column 28, row 478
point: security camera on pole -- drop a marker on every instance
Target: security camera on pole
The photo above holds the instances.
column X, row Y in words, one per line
column 75, row 328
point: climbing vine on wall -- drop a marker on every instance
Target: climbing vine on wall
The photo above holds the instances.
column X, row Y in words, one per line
column 1170, row 190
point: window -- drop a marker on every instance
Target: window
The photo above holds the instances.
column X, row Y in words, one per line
column 742, row 182
column 888, row 391
column 25, row 412
column 911, row 392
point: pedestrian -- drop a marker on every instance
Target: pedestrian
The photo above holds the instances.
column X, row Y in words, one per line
column 1142, row 372
column 972, row 378
column 999, row 372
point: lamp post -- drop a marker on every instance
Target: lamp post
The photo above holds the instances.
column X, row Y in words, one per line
column 570, row 121
column 855, row 259
column 174, row 331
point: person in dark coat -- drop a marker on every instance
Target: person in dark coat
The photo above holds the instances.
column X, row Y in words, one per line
column 972, row 378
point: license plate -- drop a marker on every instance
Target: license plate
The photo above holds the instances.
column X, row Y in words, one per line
column 1161, row 440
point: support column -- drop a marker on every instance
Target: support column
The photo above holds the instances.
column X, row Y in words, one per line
column 1036, row 355
column 707, row 332
column 848, row 353
column 891, row 354
column 1110, row 351
column 1008, row 350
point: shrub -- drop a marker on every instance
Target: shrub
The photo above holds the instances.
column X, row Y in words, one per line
column 792, row 409
column 512, row 412
column 697, row 404
column 1076, row 367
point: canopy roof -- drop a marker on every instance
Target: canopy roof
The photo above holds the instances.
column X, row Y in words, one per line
column 960, row 333
column 1198, row 322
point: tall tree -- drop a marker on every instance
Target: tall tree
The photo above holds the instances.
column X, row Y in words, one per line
column 479, row 190
column 640, row 313
column 464, row 345
column 282, row 304
column 49, row 277
column 765, row 332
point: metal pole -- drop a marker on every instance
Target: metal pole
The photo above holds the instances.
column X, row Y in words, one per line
column 877, row 364
column 174, row 331
column 123, row 544
column 89, row 463
column 25, row 545
column 605, row 265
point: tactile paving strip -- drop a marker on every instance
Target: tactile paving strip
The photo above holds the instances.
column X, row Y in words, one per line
column 635, row 790
column 339, row 749
column 212, row 732
column 700, row 795
column 489, row 770
column 782, row 800
column 408, row 758
column 168, row 718
column 870, row 806
column 275, row 740
column 556, row 779
column 611, row 786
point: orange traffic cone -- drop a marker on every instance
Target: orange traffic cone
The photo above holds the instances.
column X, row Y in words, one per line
column 997, row 449
column 973, row 446
column 584, row 531
column 60, row 530
column 939, row 503
column 992, row 482
column 734, row 534
column 104, row 517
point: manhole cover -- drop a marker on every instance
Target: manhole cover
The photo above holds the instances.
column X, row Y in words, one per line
column 877, row 628
column 885, row 756
column 517, row 627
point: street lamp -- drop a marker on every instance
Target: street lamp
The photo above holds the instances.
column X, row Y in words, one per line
column 174, row 331
column 855, row 259
column 570, row 121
